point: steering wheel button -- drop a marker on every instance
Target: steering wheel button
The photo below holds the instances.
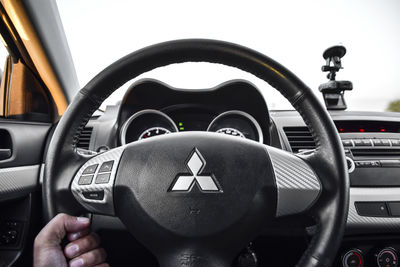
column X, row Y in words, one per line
column 90, row 169
column 106, row 166
column 94, row 195
column 102, row 178
column 85, row 180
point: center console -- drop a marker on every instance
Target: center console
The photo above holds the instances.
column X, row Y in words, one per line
column 371, row 142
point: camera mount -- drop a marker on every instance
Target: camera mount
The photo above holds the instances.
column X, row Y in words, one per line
column 333, row 91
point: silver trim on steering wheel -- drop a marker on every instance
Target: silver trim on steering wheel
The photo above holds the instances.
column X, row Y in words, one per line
column 106, row 204
column 298, row 186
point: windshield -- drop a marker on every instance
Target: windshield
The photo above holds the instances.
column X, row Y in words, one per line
column 295, row 33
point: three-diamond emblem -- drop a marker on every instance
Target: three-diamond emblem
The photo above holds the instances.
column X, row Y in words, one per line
column 185, row 183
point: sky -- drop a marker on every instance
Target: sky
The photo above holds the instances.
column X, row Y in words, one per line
column 295, row 33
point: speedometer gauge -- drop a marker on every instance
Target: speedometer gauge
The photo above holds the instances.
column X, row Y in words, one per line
column 231, row 131
column 145, row 124
column 154, row 131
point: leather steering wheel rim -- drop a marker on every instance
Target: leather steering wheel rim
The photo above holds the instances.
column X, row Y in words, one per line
column 328, row 160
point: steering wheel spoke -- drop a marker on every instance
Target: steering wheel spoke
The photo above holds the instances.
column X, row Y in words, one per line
column 93, row 184
column 298, row 186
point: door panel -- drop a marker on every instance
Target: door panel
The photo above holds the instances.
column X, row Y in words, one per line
column 17, row 182
column 26, row 144
column 22, row 145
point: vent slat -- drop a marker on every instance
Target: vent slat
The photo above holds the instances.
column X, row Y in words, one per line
column 84, row 138
column 301, row 142
column 299, row 138
column 297, row 148
column 298, row 134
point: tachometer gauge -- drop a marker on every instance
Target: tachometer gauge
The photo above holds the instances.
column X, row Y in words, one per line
column 146, row 124
column 231, row 131
column 237, row 123
column 154, row 131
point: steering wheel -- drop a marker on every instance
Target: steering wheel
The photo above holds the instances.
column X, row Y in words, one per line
column 197, row 198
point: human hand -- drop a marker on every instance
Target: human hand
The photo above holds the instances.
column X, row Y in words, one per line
column 81, row 251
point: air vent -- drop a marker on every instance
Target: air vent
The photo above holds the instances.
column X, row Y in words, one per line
column 84, row 138
column 376, row 152
column 299, row 138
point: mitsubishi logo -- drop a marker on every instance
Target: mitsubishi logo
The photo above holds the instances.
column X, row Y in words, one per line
column 185, row 183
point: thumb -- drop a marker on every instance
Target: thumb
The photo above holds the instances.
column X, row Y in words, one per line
column 59, row 226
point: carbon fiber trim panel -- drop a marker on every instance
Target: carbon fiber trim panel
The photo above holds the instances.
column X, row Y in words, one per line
column 297, row 184
column 372, row 224
column 18, row 181
column 106, row 205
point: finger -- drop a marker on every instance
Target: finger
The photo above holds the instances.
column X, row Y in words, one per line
column 57, row 228
column 90, row 258
column 74, row 236
column 82, row 245
column 75, row 224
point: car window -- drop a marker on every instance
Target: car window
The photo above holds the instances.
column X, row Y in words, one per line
column 295, row 33
column 22, row 96
column 3, row 57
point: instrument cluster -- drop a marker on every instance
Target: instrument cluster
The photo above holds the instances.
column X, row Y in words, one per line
column 150, row 122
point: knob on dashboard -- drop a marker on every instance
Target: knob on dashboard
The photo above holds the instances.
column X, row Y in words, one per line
column 387, row 257
column 350, row 165
column 353, row 258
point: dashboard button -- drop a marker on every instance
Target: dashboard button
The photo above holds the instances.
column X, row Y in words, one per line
column 395, row 142
column 390, row 163
column 94, row 195
column 362, row 142
column 85, row 180
column 359, row 164
column 90, row 169
column 363, row 164
column 385, row 142
column 377, row 142
column 347, row 143
column 372, row 209
column 106, row 166
column 102, row 178
column 394, row 208
column 375, row 163
column 367, row 163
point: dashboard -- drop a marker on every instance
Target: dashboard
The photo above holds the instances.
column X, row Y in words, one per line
column 166, row 110
column 151, row 108
column 371, row 141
